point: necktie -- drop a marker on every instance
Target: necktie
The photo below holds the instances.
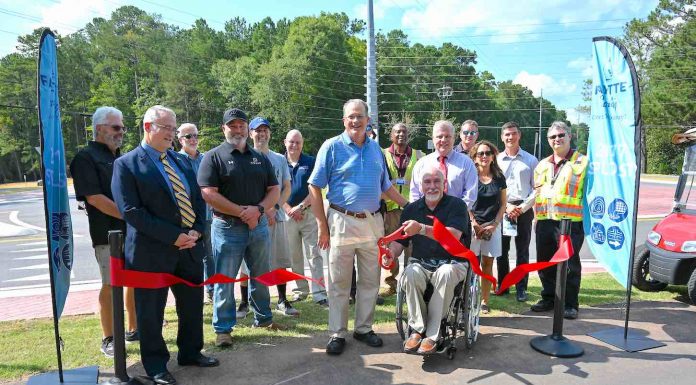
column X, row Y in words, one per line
column 188, row 216
column 443, row 168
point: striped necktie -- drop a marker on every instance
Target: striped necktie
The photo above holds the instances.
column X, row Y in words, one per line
column 188, row 216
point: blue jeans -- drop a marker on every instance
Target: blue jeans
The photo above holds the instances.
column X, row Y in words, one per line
column 232, row 243
column 208, row 261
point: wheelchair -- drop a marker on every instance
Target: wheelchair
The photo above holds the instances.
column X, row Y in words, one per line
column 462, row 319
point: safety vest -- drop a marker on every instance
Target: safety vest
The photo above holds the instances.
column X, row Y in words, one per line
column 561, row 198
column 391, row 165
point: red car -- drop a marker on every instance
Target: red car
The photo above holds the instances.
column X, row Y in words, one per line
column 669, row 254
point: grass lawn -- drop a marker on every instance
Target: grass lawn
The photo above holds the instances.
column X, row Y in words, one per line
column 28, row 347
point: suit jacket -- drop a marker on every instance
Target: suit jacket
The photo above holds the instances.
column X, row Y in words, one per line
column 151, row 213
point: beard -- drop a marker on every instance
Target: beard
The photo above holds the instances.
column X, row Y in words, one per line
column 236, row 139
column 433, row 197
column 113, row 141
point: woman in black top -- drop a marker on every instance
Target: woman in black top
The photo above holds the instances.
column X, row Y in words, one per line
column 487, row 212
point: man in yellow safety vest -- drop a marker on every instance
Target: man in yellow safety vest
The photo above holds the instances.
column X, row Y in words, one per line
column 400, row 158
column 559, row 182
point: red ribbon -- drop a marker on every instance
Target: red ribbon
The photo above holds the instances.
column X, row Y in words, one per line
column 383, row 244
column 149, row 280
column 457, row 250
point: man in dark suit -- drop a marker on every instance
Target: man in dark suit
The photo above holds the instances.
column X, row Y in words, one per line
column 157, row 194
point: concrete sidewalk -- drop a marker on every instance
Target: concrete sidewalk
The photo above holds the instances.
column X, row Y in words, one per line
column 502, row 355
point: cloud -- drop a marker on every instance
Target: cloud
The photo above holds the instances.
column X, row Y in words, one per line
column 542, row 82
column 381, row 7
column 583, row 64
column 71, row 15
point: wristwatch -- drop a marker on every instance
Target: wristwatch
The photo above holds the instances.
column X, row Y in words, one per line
column 261, row 209
column 301, row 206
column 422, row 229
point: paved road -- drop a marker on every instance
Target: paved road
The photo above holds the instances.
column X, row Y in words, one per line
column 23, row 240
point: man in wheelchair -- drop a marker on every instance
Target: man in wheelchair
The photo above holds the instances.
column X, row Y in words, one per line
column 430, row 263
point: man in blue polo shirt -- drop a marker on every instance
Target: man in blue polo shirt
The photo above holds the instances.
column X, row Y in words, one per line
column 301, row 225
column 353, row 168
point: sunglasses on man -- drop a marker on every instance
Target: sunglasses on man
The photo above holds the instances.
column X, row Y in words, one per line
column 189, row 136
column 469, row 133
column 118, row 128
column 559, row 136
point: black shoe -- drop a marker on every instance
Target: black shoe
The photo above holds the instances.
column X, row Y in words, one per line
column 370, row 338
column 521, row 295
column 202, row 362
column 323, row 303
column 380, row 300
column 570, row 313
column 132, row 336
column 164, row 378
column 335, row 345
column 351, row 300
column 542, row 305
column 107, row 346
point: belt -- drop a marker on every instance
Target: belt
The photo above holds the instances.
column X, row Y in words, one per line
column 350, row 213
column 229, row 218
column 517, row 202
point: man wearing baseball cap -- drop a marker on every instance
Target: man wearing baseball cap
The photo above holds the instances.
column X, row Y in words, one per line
column 238, row 182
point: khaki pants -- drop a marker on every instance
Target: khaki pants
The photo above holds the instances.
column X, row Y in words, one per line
column 353, row 238
column 444, row 280
column 392, row 221
column 302, row 241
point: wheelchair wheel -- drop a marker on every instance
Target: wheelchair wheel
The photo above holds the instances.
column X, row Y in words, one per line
column 470, row 310
column 401, row 313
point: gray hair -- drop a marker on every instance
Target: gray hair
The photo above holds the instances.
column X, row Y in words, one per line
column 101, row 115
column 445, row 123
column 182, row 127
column 432, row 170
column 293, row 132
column 470, row 122
column 358, row 101
column 154, row 112
column 559, row 125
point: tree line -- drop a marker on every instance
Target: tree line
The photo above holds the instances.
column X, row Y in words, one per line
column 297, row 73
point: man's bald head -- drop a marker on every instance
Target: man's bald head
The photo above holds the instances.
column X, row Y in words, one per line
column 433, row 184
column 293, row 143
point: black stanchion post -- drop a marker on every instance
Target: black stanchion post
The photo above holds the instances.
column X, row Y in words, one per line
column 120, row 373
column 556, row 344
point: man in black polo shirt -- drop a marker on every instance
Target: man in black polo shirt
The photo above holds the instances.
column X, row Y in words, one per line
column 429, row 261
column 238, row 182
column 91, row 170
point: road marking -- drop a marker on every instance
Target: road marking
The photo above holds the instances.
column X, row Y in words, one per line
column 43, row 289
column 33, row 243
column 14, row 240
column 29, row 250
column 40, row 277
column 14, row 218
column 32, row 267
column 31, row 257
column 293, row 378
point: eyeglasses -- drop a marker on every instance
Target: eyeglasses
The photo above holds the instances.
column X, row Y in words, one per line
column 486, row 153
column 117, row 128
column 469, row 133
column 355, row 117
column 189, row 136
column 559, row 136
column 166, row 128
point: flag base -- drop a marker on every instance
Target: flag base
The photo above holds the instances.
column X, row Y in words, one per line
column 634, row 341
column 79, row 376
column 556, row 346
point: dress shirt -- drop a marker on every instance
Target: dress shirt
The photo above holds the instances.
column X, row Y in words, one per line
column 462, row 176
column 519, row 176
column 155, row 156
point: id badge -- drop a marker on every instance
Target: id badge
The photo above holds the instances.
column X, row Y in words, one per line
column 547, row 192
column 401, row 182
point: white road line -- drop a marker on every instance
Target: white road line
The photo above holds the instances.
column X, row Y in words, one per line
column 31, row 257
column 14, row 218
column 32, row 267
column 293, row 378
column 29, row 250
column 33, row 243
column 38, row 289
column 40, row 277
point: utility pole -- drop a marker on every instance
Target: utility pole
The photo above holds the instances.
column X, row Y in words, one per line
column 372, row 70
column 537, row 144
column 444, row 94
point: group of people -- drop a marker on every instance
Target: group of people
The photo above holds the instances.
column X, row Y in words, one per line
column 244, row 206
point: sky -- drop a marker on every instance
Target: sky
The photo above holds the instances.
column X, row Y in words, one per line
column 544, row 45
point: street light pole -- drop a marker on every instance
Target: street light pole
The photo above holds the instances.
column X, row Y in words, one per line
column 444, row 94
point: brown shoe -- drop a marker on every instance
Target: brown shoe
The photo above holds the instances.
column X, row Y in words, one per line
column 387, row 292
column 223, row 340
column 273, row 326
column 412, row 343
column 427, row 346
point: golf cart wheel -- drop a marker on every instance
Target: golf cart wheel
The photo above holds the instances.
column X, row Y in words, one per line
column 640, row 277
column 691, row 287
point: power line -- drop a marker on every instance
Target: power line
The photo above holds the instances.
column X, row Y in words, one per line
column 515, row 34
column 529, row 24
